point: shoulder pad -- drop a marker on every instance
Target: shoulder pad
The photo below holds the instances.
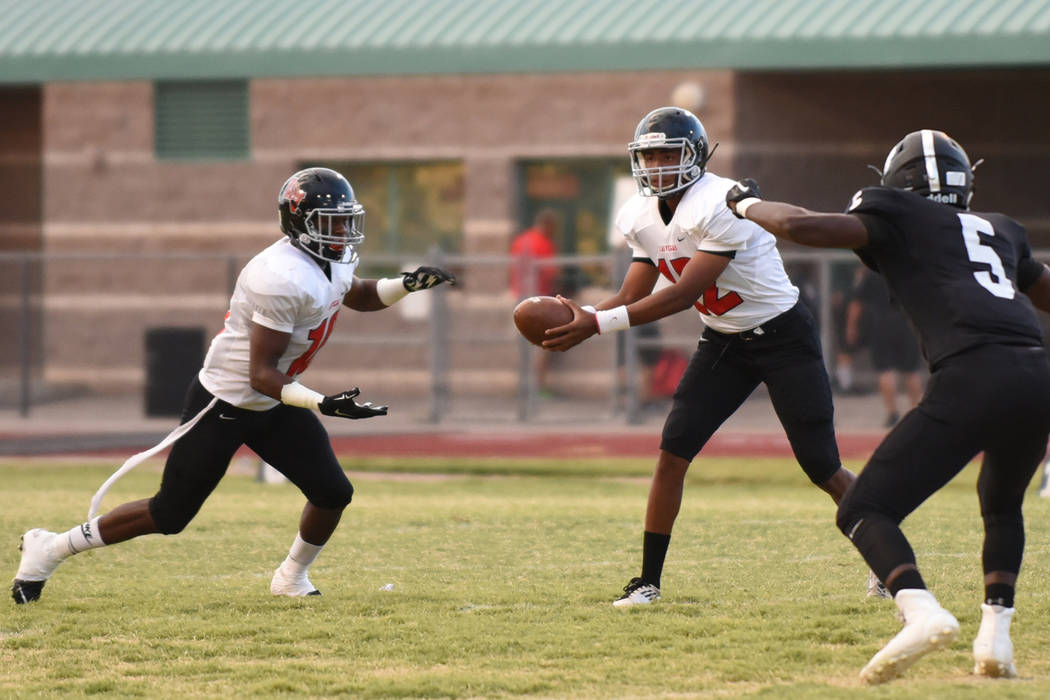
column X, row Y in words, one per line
column 632, row 215
column 703, row 201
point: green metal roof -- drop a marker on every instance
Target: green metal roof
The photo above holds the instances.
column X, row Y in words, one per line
column 47, row 40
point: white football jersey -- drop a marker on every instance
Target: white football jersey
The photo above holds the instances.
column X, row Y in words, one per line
column 282, row 288
column 751, row 290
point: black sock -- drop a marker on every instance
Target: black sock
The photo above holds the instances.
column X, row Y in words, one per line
column 999, row 594
column 654, row 549
column 911, row 578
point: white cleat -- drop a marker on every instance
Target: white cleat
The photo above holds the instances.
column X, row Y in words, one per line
column 927, row 627
column 993, row 652
column 876, row 589
column 637, row 592
column 291, row 586
column 38, row 563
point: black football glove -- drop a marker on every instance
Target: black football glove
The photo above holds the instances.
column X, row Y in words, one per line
column 344, row 406
column 743, row 189
column 425, row 277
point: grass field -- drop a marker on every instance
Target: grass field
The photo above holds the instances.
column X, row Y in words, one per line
column 502, row 576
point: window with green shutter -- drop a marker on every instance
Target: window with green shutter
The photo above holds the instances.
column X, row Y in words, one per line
column 201, row 120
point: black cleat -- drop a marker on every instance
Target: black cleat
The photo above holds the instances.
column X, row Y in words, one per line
column 26, row 591
column 38, row 562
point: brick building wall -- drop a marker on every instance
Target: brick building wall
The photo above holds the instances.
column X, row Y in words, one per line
column 805, row 136
column 104, row 192
column 808, row 137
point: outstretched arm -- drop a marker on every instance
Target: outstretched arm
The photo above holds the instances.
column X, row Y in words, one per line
column 637, row 283
column 700, row 273
column 266, row 346
column 697, row 276
column 374, row 295
column 794, row 223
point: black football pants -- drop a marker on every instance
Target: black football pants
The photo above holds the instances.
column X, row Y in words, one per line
column 995, row 399
column 290, row 439
column 726, row 368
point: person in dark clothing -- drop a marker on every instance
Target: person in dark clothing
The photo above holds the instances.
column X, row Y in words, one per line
column 967, row 283
column 892, row 345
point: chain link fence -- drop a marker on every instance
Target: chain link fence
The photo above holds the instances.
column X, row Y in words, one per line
column 95, row 325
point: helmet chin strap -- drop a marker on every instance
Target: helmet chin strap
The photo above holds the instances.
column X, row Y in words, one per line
column 304, row 240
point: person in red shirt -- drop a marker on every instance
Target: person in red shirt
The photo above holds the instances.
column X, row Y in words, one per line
column 531, row 273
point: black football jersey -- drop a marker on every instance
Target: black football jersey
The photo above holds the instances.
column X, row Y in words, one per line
column 953, row 272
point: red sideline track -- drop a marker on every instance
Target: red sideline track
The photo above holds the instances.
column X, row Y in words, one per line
column 518, row 444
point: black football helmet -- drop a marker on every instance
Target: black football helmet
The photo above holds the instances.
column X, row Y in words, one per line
column 932, row 164
column 662, row 129
column 319, row 212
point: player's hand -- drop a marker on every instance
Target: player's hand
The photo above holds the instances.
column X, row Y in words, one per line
column 743, row 189
column 344, row 406
column 582, row 326
column 425, row 277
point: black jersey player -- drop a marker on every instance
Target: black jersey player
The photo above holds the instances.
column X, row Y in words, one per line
column 967, row 283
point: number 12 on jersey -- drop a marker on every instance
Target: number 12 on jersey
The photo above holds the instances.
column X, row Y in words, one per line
column 710, row 304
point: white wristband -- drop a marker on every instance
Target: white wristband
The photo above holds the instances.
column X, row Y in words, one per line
column 610, row 320
column 295, row 394
column 744, row 204
column 391, row 291
column 588, row 308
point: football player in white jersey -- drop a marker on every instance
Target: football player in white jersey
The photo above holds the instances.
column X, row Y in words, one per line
column 756, row 332
column 281, row 313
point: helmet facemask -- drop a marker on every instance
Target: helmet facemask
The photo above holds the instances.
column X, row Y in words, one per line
column 332, row 234
column 653, row 181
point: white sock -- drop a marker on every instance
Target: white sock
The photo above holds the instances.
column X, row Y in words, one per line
column 85, row 536
column 300, row 556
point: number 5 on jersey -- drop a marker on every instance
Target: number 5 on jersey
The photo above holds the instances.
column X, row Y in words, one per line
column 978, row 252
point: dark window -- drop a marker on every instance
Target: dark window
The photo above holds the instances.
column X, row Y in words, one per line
column 201, row 120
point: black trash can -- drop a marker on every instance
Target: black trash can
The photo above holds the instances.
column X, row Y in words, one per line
column 173, row 357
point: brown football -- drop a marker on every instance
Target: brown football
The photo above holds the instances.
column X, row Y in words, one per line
column 536, row 314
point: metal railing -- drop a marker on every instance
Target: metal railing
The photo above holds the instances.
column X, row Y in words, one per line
column 41, row 329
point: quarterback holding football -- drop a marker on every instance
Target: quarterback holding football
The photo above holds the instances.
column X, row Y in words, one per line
column 757, row 330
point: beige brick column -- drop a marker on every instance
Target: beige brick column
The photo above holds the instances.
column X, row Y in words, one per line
column 489, row 204
column 489, row 220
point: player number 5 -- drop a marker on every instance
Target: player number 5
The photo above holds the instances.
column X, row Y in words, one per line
column 995, row 281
